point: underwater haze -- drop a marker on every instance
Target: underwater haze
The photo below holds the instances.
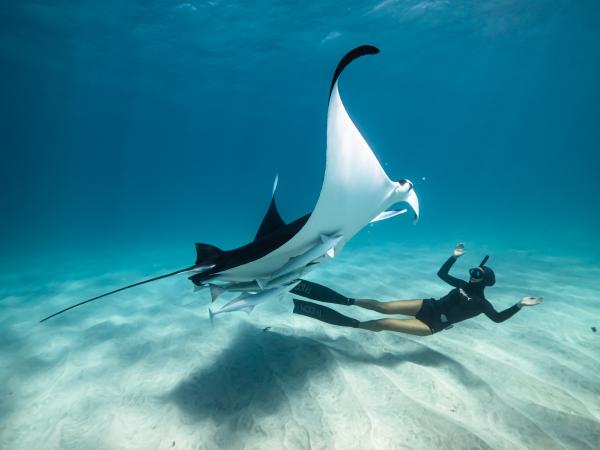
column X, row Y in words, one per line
column 131, row 130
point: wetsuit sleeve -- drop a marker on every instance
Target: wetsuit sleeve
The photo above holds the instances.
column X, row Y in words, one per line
column 443, row 273
column 501, row 316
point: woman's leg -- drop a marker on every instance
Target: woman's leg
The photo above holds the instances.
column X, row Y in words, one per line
column 405, row 307
column 322, row 293
column 409, row 326
column 328, row 315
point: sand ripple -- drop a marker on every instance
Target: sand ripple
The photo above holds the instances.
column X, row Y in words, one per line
column 145, row 370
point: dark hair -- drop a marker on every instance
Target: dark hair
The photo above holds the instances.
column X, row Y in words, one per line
column 489, row 277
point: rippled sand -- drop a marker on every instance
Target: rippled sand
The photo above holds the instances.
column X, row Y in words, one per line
column 144, row 369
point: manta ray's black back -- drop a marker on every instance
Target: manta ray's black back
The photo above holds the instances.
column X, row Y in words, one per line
column 228, row 259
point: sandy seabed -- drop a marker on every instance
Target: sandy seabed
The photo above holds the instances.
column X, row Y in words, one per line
column 145, row 369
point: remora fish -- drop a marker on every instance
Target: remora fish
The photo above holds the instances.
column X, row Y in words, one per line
column 325, row 246
column 248, row 301
column 216, row 290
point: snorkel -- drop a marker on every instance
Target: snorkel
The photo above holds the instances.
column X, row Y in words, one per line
column 482, row 273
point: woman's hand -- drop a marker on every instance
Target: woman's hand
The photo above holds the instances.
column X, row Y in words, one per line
column 459, row 250
column 530, row 301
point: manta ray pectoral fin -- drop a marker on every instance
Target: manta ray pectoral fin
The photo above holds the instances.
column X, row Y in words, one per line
column 275, row 184
column 348, row 58
column 272, row 220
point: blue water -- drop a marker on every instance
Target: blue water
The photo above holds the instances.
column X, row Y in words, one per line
column 130, row 130
column 131, row 126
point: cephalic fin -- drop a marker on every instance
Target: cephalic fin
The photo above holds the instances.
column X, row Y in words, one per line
column 211, row 315
column 249, row 309
column 387, row 215
column 262, row 283
column 331, row 252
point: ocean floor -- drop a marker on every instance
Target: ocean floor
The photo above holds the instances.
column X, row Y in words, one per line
column 144, row 369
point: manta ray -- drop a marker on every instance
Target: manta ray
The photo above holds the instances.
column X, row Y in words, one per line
column 356, row 191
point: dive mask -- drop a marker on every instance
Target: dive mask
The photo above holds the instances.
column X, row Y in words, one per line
column 478, row 272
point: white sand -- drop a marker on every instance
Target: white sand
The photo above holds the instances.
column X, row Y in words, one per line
column 145, row 369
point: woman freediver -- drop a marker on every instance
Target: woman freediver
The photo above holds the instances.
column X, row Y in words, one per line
column 465, row 301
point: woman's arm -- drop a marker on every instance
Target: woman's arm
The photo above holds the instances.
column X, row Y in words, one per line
column 459, row 250
column 501, row 316
column 443, row 273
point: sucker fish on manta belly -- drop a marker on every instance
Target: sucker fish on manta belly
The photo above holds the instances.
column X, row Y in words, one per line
column 355, row 192
column 247, row 302
column 325, row 247
column 253, row 287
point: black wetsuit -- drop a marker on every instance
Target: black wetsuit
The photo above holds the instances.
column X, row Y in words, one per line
column 466, row 300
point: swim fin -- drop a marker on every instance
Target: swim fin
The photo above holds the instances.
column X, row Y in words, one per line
column 323, row 313
column 320, row 293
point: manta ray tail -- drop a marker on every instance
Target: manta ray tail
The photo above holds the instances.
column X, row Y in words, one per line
column 117, row 290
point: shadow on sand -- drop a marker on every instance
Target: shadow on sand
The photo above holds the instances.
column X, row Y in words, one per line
column 253, row 377
column 250, row 374
column 421, row 355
